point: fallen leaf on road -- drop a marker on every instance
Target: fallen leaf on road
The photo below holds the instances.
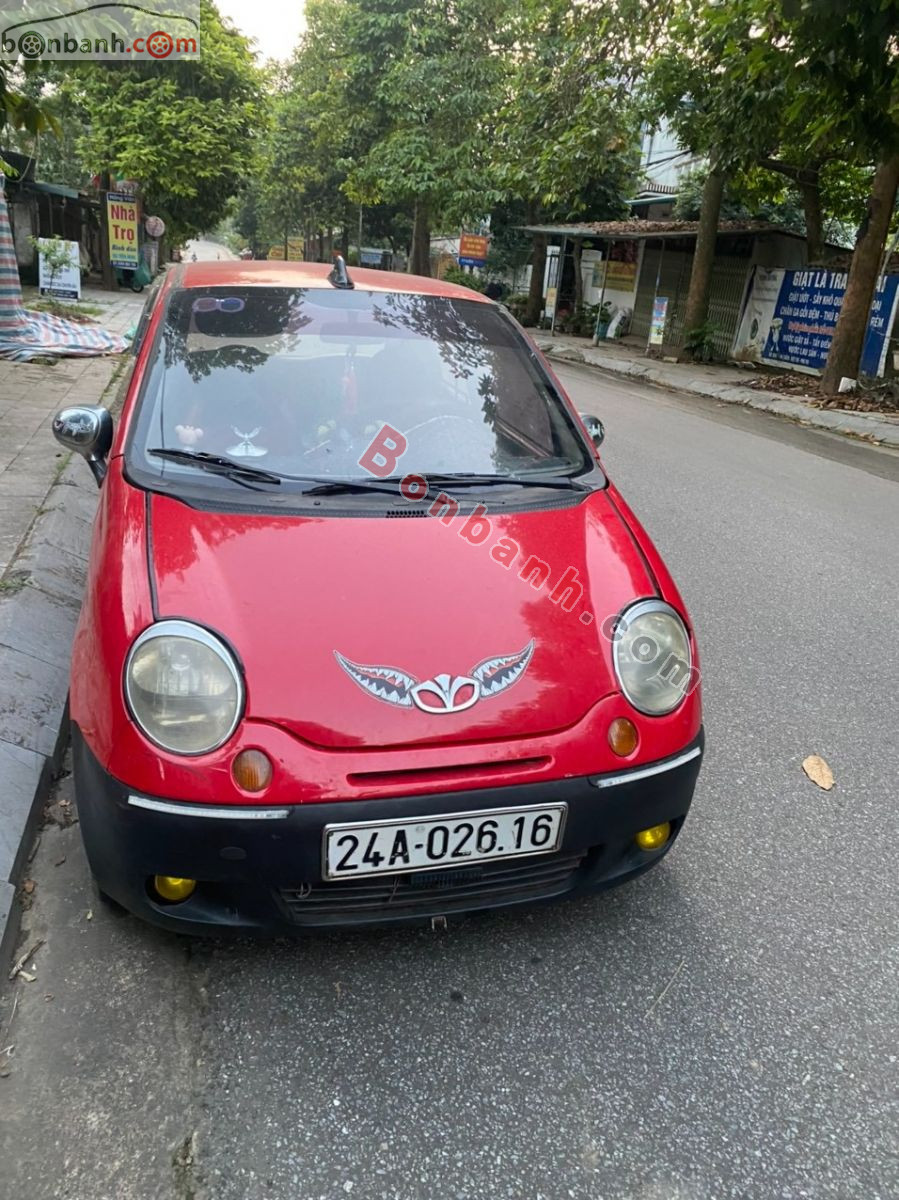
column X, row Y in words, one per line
column 818, row 771
column 28, row 887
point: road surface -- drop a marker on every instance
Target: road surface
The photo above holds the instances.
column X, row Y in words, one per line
column 207, row 251
column 724, row 1027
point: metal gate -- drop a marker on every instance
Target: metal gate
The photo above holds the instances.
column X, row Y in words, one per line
column 729, row 276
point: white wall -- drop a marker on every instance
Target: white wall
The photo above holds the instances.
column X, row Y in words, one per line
column 662, row 159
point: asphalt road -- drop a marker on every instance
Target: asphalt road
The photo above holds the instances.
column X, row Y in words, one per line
column 724, row 1027
column 207, row 251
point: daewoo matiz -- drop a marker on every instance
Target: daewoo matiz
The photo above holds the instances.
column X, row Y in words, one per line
column 368, row 634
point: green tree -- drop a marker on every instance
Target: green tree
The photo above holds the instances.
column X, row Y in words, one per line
column 803, row 88
column 23, row 109
column 697, row 80
column 565, row 142
column 54, row 147
column 185, row 129
column 435, row 75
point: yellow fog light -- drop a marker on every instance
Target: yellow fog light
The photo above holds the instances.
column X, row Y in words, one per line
column 170, row 888
column 655, row 837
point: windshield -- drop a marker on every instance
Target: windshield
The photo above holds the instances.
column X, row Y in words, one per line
column 299, row 382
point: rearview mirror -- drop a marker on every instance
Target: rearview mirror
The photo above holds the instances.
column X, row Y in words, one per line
column 86, row 429
column 594, row 428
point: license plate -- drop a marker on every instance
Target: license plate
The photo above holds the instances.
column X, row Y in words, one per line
column 455, row 839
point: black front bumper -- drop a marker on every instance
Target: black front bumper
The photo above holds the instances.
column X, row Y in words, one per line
column 265, row 875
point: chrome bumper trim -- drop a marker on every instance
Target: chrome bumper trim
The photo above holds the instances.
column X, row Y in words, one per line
column 604, row 781
column 235, row 813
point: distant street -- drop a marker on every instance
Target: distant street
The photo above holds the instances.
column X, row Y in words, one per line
column 207, row 251
column 722, row 1029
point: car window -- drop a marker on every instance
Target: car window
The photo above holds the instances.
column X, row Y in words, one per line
column 299, row 381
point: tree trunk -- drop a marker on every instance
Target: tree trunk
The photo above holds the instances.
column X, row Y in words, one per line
column 814, row 221
column 697, row 307
column 420, row 256
column 576, row 250
column 849, row 335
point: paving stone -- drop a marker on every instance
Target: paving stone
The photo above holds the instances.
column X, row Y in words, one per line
column 39, row 624
column 32, row 700
column 20, row 778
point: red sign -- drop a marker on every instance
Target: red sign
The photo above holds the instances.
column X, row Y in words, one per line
column 473, row 246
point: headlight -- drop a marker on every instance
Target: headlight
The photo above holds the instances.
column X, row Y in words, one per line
column 653, row 662
column 183, row 687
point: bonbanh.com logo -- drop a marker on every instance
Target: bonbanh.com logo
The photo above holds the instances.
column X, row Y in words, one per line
column 69, row 30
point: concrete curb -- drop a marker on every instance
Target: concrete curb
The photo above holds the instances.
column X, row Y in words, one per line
column 869, row 426
column 39, row 604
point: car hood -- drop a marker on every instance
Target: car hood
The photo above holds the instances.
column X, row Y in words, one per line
column 338, row 620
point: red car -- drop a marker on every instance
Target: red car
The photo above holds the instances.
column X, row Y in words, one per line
column 368, row 634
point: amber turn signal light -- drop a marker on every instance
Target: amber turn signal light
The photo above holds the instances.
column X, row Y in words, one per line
column 623, row 736
column 173, row 889
column 252, row 770
column 655, row 837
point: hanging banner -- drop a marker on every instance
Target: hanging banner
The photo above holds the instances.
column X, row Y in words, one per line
column 55, row 277
column 790, row 316
column 659, row 317
column 294, row 250
column 122, row 216
column 472, row 250
column 618, row 271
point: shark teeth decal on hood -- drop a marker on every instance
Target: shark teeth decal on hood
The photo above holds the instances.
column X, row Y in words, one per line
column 489, row 678
column 495, row 675
column 384, row 683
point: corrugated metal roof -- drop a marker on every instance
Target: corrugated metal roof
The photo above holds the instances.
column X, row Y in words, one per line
column 635, row 230
column 53, row 189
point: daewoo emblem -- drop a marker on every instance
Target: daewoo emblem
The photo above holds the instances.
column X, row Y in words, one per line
column 443, row 693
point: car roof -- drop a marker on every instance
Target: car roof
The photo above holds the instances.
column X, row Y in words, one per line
column 277, row 273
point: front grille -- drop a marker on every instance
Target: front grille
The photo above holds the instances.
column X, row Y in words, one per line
column 438, row 891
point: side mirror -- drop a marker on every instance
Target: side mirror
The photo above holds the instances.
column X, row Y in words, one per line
column 594, row 428
column 88, row 430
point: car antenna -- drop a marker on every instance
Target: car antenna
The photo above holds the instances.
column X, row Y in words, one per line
column 338, row 277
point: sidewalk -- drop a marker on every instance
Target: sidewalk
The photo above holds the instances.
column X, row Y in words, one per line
column 30, row 395
column 727, row 384
column 47, row 506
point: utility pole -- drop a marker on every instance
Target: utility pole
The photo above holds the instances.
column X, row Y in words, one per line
column 359, row 242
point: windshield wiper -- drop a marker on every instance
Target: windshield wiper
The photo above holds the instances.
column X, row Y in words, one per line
column 246, row 474
column 217, row 464
column 470, row 479
column 435, row 483
column 333, row 487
